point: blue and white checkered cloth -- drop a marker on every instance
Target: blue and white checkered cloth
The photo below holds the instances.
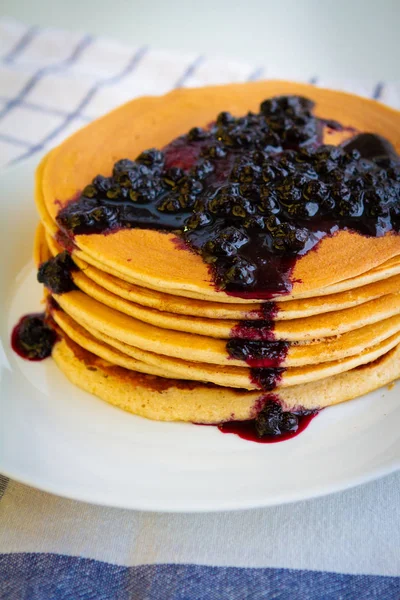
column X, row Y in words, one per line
column 346, row 546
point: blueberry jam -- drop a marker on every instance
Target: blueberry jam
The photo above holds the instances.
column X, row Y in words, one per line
column 266, row 379
column 32, row 338
column 271, row 425
column 55, row 273
column 267, row 312
column 257, row 354
column 254, row 330
column 250, row 194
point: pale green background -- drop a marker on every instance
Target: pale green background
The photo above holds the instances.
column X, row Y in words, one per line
column 342, row 38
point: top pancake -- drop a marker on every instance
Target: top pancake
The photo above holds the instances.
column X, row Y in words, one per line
column 151, row 257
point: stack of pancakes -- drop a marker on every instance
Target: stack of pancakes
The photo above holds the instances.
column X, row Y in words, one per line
column 147, row 330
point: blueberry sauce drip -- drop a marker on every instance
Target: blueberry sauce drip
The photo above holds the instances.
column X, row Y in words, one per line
column 266, row 379
column 268, row 311
column 249, row 194
column 65, row 241
column 271, row 425
column 254, row 330
column 254, row 343
column 32, row 337
column 55, row 273
column 258, row 354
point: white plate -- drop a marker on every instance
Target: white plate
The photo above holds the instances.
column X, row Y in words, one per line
column 55, row 437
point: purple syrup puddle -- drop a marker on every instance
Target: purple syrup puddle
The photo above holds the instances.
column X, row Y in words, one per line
column 272, row 423
column 32, row 337
column 246, row 430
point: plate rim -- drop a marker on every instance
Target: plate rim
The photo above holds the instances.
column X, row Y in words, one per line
column 324, row 490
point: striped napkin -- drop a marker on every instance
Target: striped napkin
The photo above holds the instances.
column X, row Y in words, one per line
column 346, row 546
column 52, row 82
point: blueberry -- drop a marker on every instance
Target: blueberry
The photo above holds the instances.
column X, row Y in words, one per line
column 270, row 173
column 242, row 208
column 114, row 192
column 56, row 273
column 272, row 421
column 256, row 222
column 350, row 208
column 145, row 193
column 215, row 151
column 202, row 170
column 246, row 173
column 316, row 191
column 123, row 165
column 288, row 239
column 226, row 243
column 268, row 421
column 102, row 184
column 100, row 218
column 289, row 422
column 189, row 185
column 122, row 180
column 35, row 339
column 220, row 205
column 240, row 272
column 225, row 118
column 197, row 134
column 259, row 158
column 198, row 220
column 172, row 176
column 302, row 210
column 169, row 205
column 90, row 191
column 151, row 158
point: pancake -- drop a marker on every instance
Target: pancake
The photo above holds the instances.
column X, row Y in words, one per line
column 192, row 348
column 166, row 341
column 336, row 348
column 381, row 272
column 158, row 263
column 167, row 303
column 149, row 273
column 232, row 377
column 292, row 309
column 83, row 338
column 331, row 349
column 316, row 326
column 173, row 400
column 42, row 250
